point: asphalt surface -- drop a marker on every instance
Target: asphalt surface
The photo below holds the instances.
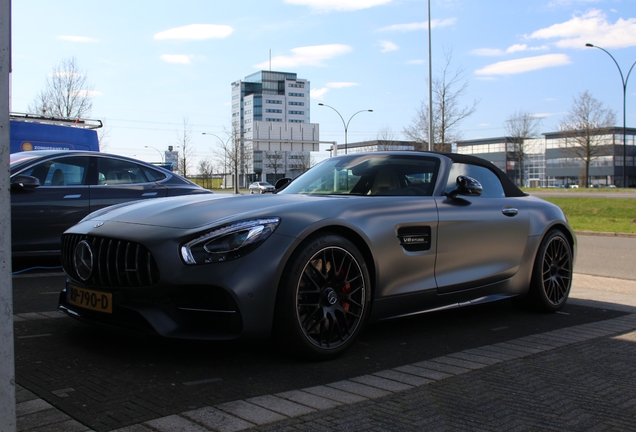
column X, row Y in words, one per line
column 490, row 367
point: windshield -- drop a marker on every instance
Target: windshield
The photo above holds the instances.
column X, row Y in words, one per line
column 368, row 174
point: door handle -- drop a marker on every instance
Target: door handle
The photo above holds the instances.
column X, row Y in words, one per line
column 510, row 211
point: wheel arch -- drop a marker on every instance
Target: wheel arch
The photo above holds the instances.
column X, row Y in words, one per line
column 355, row 238
column 567, row 232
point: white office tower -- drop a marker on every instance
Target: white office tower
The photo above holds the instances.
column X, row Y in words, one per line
column 270, row 117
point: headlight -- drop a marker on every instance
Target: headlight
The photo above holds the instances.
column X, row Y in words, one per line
column 228, row 242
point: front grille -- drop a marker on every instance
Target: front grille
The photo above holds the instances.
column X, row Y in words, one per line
column 116, row 263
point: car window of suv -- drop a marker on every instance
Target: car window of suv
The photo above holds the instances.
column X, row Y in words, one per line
column 70, row 171
column 490, row 183
column 153, row 175
column 119, row 172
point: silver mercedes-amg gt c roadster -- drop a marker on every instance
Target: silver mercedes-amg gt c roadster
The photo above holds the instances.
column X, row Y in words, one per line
column 359, row 237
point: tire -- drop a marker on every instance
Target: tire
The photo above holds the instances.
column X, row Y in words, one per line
column 551, row 274
column 324, row 298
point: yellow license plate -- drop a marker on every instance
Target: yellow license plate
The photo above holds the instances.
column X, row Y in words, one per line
column 89, row 299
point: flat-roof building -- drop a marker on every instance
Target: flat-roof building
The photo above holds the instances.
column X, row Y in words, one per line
column 555, row 159
column 271, row 117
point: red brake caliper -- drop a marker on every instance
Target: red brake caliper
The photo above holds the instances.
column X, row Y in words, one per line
column 345, row 290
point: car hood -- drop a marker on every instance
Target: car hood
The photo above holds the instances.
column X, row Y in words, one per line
column 194, row 211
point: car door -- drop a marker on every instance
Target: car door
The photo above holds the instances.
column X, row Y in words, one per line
column 481, row 239
column 120, row 180
column 40, row 215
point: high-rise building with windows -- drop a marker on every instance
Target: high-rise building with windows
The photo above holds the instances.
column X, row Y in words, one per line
column 271, row 118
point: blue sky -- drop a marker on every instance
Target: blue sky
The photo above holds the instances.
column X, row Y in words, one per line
column 154, row 63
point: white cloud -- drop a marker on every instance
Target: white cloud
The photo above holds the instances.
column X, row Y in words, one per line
column 338, row 5
column 591, row 27
column 319, row 93
column 541, row 115
column 435, row 23
column 306, row 56
column 494, row 52
column 522, row 65
column 195, row 32
column 177, row 58
column 80, row 39
column 387, row 46
column 567, row 3
column 516, row 47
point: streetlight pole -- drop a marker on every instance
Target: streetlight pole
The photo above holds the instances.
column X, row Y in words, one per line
column 431, row 134
column 160, row 154
column 346, row 125
column 624, row 82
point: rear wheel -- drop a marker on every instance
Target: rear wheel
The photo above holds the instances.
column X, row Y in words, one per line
column 323, row 299
column 552, row 274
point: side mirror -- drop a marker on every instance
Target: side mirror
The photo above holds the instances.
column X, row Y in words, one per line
column 282, row 184
column 25, row 182
column 467, row 186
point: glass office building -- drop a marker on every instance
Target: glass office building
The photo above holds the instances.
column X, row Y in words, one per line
column 557, row 159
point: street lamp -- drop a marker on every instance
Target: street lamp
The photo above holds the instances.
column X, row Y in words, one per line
column 624, row 82
column 346, row 125
column 160, row 154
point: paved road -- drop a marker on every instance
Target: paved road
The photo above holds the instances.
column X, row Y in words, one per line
column 490, row 367
column 591, row 194
column 613, row 257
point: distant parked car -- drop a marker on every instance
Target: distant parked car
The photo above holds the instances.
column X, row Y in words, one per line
column 261, row 188
column 52, row 190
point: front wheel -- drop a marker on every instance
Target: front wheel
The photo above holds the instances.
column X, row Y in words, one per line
column 323, row 299
column 552, row 274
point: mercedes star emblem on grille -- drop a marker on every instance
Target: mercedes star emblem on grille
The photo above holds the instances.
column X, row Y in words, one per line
column 83, row 260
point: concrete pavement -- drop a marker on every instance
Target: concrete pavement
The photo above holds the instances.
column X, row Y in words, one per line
column 576, row 378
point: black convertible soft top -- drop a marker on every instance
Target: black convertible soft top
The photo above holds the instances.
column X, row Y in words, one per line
column 510, row 189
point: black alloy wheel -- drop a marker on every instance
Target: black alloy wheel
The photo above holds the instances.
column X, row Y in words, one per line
column 552, row 273
column 325, row 300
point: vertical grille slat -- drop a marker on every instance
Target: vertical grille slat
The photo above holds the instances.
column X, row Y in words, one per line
column 116, row 263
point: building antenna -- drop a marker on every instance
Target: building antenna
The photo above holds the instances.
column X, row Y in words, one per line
column 270, row 59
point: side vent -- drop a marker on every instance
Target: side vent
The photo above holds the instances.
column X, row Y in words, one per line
column 415, row 238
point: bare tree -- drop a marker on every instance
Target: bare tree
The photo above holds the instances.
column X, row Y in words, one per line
column 585, row 130
column 103, row 135
column 232, row 155
column 67, row 93
column 206, row 170
column 276, row 161
column 386, row 139
column 448, row 112
column 520, row 126
column 304, row 161
column 184, row 140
